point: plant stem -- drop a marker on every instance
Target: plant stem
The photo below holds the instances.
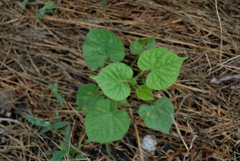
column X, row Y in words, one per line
column 139, row 75
column 134, row 61
column 108, row 151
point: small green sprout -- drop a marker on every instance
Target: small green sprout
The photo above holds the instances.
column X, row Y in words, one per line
column 54, row 89
column 47, row 8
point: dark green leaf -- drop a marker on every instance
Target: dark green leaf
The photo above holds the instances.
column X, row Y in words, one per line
column 158, row 116
column 138, row 46
column 105, row 124
column 100, row 45
column 87, row 97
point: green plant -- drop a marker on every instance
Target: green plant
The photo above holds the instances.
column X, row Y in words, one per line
column 57, row 125
column 104, row 2
column 47, row 8
column 104, row 122
column 65, row 144
column 54, row 89
column 24, row 5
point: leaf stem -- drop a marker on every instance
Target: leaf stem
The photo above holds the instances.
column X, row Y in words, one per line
column 134, row 61
column 108, row 151
column 139, row 75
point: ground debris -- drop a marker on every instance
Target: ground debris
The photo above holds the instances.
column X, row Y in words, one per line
column 5, row 97
column 229, row 78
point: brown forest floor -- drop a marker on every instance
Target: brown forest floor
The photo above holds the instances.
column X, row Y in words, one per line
column 37, row 52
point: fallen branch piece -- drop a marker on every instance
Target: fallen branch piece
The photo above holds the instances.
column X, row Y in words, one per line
column 229, row 78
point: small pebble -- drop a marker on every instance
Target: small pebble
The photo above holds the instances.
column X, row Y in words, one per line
column 149, row 143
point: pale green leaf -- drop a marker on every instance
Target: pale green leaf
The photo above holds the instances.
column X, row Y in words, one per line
column 105, row 124
column 164, row 65
column 100, row 45
column 144, row 93
column 87, row 96
column 158, row 115
column 113, row 81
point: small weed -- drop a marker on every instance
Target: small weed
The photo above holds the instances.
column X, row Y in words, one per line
column 67, row 149
column 54, row 89
column 47, row 8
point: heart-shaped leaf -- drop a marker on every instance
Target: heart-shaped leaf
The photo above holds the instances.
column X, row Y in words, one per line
column 137, row 47
column 100, row 45
column 158, row 116
column 104, row 124
column 113, row 80
column 164, row 65
column 144, row 93
column 87, row 97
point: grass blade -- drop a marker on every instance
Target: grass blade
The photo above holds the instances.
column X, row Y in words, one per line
column 37, row 122
column 24, row 5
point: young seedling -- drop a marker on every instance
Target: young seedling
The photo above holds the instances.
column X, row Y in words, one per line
column 24, row 5
column 58, row 155
column 54, row 89
column 47, row 8
column 104, row 122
